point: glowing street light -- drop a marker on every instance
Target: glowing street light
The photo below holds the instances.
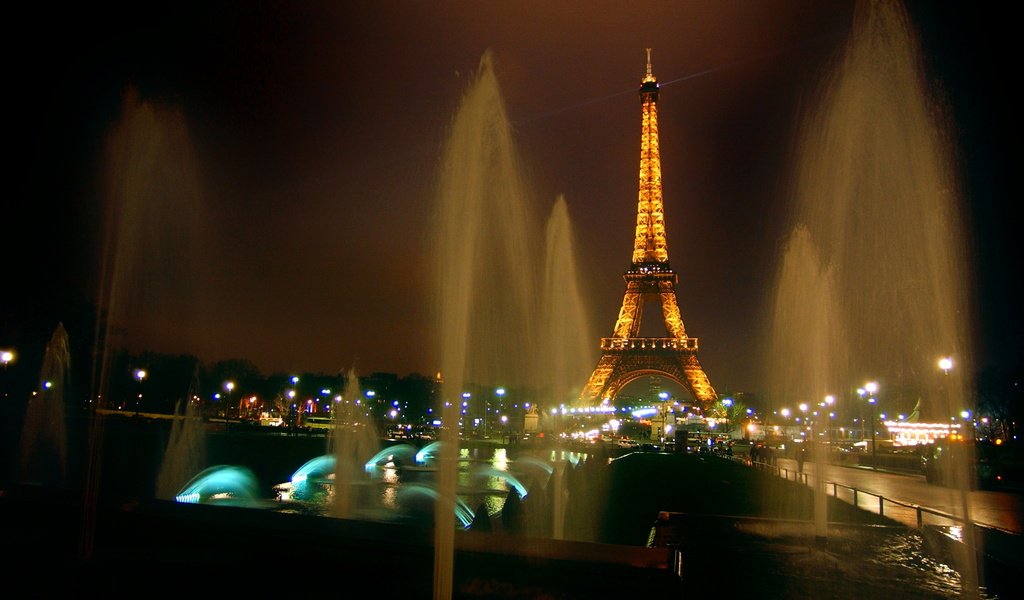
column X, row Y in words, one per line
column 229, row 386
column 871, row 388
column 828, row 402
column 140, row 375
column 6, row 357
column 946, row 363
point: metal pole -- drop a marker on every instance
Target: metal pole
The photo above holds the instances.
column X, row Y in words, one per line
column 874, row 465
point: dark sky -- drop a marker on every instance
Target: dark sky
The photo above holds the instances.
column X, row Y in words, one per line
column 315, row 129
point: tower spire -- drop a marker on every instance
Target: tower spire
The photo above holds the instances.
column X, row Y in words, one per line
column 649, row 76
column 650, row 245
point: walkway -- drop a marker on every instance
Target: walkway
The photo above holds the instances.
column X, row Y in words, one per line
column 999, row 509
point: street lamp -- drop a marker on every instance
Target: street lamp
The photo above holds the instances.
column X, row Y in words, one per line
column 968, row 418
column 140, row 375
column 830, row 400
column 871, row 387
column 727, row 403
column 6, row 357
column 861, row 392
column 229, row 386
column 500, row 393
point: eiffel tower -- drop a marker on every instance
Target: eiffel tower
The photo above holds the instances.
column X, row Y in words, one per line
column 626, row 356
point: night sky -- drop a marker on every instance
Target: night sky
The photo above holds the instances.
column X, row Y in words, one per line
column 316, row 129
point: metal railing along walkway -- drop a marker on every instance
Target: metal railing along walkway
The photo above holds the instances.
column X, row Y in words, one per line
column 908, row 513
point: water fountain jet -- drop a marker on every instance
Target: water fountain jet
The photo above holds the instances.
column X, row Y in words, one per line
column 353, row 442
column 486, row 291
column 43, row 457
column 876, row 258
column 185, row 454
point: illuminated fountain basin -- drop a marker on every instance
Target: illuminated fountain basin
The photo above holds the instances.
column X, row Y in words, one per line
column 226, row 484
column 400, row 481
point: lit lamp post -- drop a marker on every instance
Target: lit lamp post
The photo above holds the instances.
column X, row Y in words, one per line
column 785, row 426
column 228, row 387
column 6, row 357
column 871, row 387
column 140, row 375
column 465, row 403
column 661, row 421
column 946, row 363
column 500, row 393
column 968, row 421
column 727, row 403
column 830, row 401
column 293, row 410
column 862, row 392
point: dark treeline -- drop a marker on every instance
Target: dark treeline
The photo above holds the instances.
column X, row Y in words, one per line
column 170, row 379
column 97, row 376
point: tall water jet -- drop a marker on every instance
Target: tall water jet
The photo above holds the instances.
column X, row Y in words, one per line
column 877, row 202
column 43, row 457
column 185, row 455
column 486, row 292
column 806, row 355
column 155, row 261
column 566, row 342
column 353, row 442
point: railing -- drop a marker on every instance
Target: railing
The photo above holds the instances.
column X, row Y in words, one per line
column 668, row 344
column 978, row 550
column 908, row 513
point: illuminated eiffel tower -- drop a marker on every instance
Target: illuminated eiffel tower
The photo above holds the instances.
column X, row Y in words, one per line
column 626, row 356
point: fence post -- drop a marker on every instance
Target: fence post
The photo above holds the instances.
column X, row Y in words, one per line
column 920, row 518
column 854, row 496
column 881, row 505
